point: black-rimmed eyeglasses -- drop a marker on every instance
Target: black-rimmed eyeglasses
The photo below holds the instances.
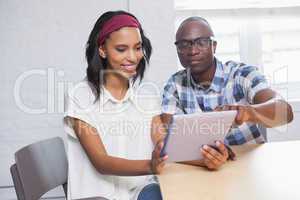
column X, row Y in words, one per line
column 200, row 43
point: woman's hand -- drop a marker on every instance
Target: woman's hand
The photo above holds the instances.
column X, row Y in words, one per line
column 157, row 162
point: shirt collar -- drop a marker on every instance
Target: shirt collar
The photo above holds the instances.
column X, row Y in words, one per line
column 217, row 82
column 106, row 96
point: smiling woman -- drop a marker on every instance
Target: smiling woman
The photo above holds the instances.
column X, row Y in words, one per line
column 116, row 48
column 105, row 161
column 123, row 55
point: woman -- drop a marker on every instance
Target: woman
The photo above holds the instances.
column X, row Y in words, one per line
column 108, row 123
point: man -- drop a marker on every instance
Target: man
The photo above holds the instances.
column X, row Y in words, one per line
column 206, row 84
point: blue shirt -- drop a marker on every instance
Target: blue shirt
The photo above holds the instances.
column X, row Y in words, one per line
column 233, row 83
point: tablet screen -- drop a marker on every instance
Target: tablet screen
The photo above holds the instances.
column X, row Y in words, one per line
column 189, row 132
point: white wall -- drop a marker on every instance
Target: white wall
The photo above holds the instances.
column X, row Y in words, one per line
column 158, row 20
column 49, row 37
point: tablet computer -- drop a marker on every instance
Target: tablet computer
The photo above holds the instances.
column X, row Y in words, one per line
column 188, row 132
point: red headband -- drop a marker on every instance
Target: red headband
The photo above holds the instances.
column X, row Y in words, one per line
column 115, row 23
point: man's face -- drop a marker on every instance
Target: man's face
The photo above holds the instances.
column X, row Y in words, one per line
column 197, row 55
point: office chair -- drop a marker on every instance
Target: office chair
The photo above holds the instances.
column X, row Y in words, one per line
column 39, row 168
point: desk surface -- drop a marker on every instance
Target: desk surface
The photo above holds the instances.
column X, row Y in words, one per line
column 261, row 172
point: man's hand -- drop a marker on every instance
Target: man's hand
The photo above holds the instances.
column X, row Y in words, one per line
column 245, row 113
column 213, row 158
column 157, row 162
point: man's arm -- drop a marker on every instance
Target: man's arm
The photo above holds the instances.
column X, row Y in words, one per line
column 267, row 110
column 264, row 107
column 270, row 111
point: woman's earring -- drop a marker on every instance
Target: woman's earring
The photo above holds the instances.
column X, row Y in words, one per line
column 103, row 55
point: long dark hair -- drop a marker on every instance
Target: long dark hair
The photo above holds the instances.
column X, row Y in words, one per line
column 97, row 65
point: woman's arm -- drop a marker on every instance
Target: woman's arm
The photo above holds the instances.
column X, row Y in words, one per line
column 105, row 164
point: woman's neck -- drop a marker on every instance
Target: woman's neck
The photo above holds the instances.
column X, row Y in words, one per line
column 116, row 85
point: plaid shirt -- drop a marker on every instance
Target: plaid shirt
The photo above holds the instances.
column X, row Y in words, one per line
column 233, row 83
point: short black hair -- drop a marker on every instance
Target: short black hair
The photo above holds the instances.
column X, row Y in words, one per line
column 97, row 64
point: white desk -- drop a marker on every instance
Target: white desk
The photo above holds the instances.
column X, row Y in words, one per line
column 261, row 172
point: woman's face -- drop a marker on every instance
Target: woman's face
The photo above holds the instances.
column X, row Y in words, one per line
column 123, row 51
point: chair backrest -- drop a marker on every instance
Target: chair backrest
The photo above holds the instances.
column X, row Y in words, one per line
column 39, row 168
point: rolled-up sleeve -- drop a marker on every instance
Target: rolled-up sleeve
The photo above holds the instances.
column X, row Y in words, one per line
column 253, row 81
column 78, row 107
